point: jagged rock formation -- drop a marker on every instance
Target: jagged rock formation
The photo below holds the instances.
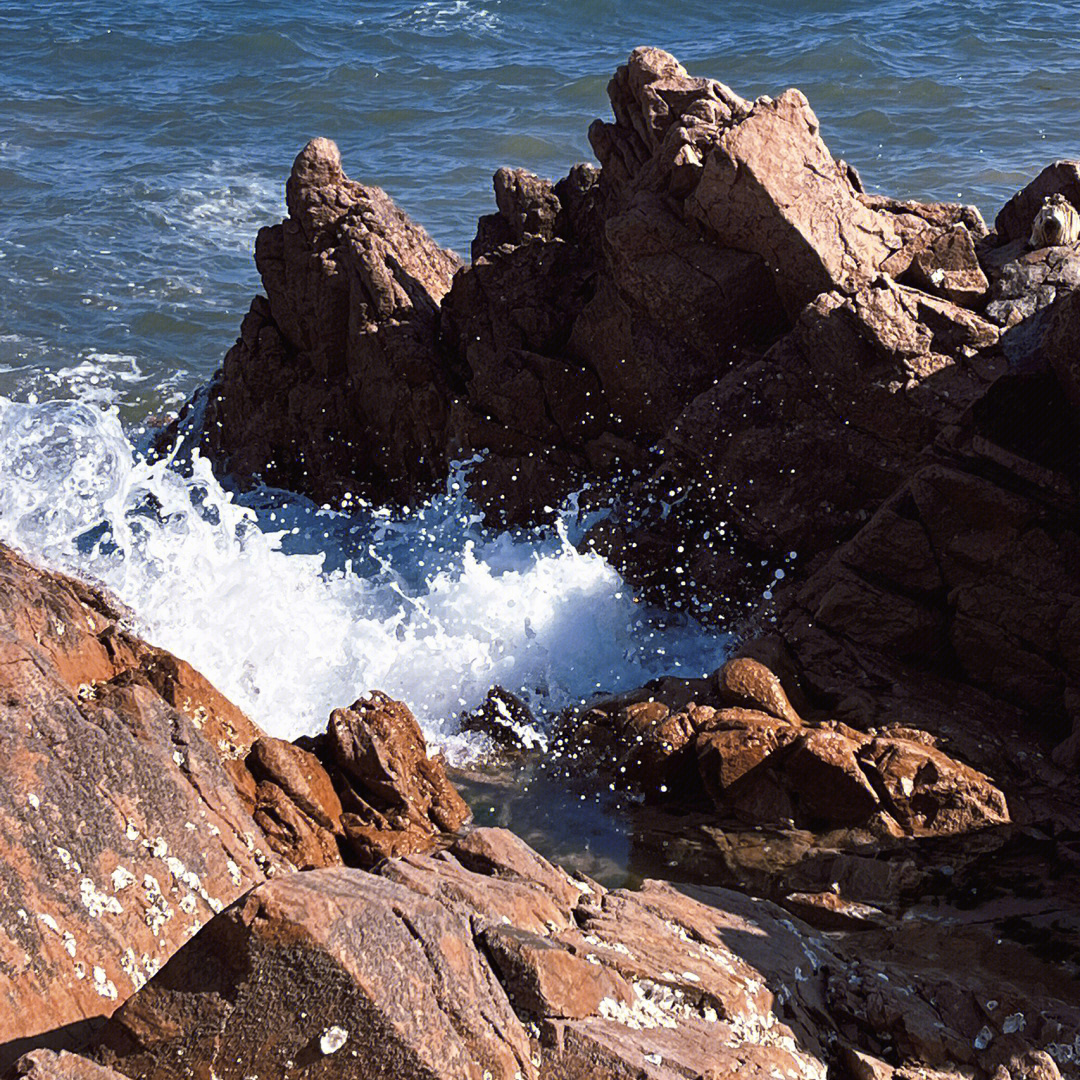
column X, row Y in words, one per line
column 717, row 317
column 138, row 802
column 489, row 961
column 734, row 743
column 334, row 387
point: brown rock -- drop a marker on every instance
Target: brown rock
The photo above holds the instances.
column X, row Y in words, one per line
column 335, row 386
column 300, row 775
column 390, row 783
column 287, row 968
column 546, row 979
column 734, row 761
column 947, row 266
column 749, row 683
column 306, row 844
column 929, row 791
column 823, row 772
column 123, row 831
column 1016, row 217
column 770, row 186
column 50, row 1065
column 499, row 853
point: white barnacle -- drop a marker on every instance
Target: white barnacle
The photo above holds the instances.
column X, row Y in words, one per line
column 333, row 1039
column 1013, row 1023
column 122, row 878
column 103, row 984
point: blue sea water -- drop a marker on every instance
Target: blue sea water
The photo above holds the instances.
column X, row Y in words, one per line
column 142, row 146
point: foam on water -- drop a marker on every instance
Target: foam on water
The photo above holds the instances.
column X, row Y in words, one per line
column 292, row 610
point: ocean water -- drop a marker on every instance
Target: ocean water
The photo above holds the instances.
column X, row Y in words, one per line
column 142, row 146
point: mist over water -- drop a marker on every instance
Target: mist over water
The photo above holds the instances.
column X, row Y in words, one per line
column 141, row 148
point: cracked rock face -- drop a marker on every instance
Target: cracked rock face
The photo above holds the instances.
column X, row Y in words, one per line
column 457, row 966
column 123, row 831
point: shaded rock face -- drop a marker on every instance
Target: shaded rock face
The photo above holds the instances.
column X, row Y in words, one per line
column 787, row 453
column 955, row 608
column 123, row 828
column 334, row 386
column 596, row 313
column 516, row 969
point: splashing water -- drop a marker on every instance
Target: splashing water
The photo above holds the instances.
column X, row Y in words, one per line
column 292, row 610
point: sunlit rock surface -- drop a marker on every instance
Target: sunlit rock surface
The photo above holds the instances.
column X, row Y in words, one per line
column 506, row 966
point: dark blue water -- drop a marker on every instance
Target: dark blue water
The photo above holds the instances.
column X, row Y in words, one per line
column 141, row 145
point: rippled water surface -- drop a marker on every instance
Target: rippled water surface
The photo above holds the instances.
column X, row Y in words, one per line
column 142, row 146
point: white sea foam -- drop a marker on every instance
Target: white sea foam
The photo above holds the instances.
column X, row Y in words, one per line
column 292, row 610
column 223, row 207
column 437, row 17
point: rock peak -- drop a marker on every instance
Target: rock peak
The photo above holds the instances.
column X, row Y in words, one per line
column 318, row 163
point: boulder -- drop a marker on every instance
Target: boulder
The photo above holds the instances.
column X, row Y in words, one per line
column 335, row 388
column 1016, row 217
column 771, row 187
column 431, row 969
column 947, row 265
column 396, row 800
column 123, row 820
column 772, row 767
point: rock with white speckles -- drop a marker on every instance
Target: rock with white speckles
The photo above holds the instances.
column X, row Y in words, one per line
column 433, row 969
column 112, row 748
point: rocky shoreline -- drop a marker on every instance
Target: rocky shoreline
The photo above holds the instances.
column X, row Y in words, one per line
column 866, row 407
